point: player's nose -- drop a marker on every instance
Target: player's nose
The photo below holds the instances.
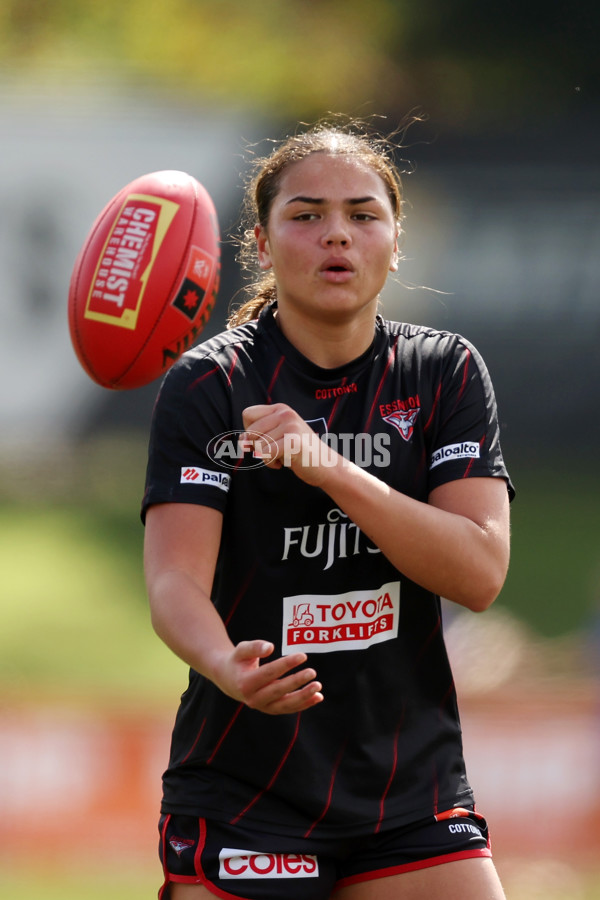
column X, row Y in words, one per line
column 336, row 231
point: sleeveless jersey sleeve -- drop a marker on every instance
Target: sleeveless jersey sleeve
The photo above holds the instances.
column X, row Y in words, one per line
column 464, row 438
column 190, row 411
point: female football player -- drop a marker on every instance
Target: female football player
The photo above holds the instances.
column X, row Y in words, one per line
column 318, row 478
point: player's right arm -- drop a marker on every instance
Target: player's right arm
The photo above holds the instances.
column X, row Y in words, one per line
column 180, row 555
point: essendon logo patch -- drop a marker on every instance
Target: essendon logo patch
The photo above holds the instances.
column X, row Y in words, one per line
column 321, row 623
column 127, row 258
column 191, row 294
column 403, row 421
column 402, row 414
column 180, row 844
column 242, row 864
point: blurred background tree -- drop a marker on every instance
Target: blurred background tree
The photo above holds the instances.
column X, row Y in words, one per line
column 471, row 65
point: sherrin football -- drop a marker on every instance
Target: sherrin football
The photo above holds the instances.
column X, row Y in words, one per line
column 145, row 281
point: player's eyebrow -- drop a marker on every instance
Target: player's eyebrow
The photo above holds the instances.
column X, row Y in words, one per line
column 301, row 199
column 319, row 201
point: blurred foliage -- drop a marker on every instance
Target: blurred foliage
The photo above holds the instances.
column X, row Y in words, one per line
column 554, row 578
column 75, row 617
column 467, row 63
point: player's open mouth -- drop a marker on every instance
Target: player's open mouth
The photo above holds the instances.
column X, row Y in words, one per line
column 337, row 270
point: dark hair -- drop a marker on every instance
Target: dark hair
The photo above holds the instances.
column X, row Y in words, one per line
column 351, row 139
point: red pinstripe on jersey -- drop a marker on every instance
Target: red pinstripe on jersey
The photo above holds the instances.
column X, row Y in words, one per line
column 273, row 779
column 335, row 405
column 195, row 744
column 463, row 385
column 238, row 597
column 467, row 471
column 202, row 378
column 334, row 771
column 390, row 360
column 274, row 378
column 392, row 772
column 430, row 638
column 434, row 406
column 224, row 734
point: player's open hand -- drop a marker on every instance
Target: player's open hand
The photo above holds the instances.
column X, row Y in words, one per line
column 271, row 687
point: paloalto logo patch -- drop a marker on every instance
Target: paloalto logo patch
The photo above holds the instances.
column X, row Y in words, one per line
column 355, row 620
column 196, row 475
column 464, row 450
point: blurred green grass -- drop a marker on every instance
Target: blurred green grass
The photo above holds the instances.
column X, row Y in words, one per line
column 553, row 583
column 526, row 880
column 76, row 616
column 119, row 883
column 74, row 609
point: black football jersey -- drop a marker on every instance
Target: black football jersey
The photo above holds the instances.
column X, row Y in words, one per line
column 417, row 409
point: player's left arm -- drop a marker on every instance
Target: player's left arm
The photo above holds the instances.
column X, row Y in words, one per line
column 482, row 508
column 455, row 545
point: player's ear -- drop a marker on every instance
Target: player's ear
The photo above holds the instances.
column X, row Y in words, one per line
column 395, row 252
column 262, row 247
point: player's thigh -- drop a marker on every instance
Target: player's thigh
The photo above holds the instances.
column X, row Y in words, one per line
column 189, row 892
column 464, row 879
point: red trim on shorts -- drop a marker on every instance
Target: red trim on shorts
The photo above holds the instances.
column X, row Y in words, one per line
column 195, row 879
column 163, row 841
column 412, row 867
column 201, row 877
column 200, row 848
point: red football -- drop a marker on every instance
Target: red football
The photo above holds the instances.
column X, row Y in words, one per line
column 145, row 281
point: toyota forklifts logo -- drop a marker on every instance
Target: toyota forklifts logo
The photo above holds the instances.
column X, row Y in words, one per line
column 355, row 620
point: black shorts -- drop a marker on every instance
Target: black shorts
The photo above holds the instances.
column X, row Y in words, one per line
column 234, row 862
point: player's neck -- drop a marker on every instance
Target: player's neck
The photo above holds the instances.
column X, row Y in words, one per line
column 327, row 344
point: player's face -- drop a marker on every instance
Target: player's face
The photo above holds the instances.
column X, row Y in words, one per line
column 331, row 238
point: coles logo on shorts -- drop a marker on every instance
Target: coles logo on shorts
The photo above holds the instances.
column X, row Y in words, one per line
column 321, row 623
column 238, row 864
column 465, row 450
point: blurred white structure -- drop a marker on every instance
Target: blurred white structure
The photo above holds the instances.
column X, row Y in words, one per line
column 61, row 161
column 513, row 250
